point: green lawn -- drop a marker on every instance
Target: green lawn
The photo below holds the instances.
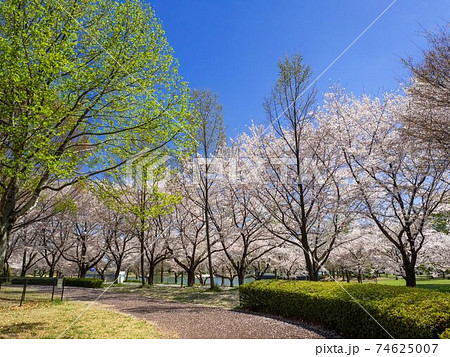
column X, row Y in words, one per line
column 39, row 318
column 226, row 298
column 229, row 297
column 422, row 282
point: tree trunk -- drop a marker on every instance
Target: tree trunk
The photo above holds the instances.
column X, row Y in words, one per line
column 23, row 271
column 313, row 271
column 116, row 274
column 151, row 274
column 51, row 272
column 142, row 258
column 208, row 245
column 82, row 272
column 410, row 276
column 191, row 277
column 241, row 276
column 7, row 217
column 6, row 271
column 360, row 279
column 409, row 267
column 313, row 274
column 4, row 238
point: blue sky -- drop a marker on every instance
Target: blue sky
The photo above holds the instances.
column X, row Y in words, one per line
column 232, row 47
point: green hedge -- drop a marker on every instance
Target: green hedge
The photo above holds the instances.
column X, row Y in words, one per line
column 132, row 281
column 83, row 282
column 445, row 334
column 33, row 281
column 403, row 312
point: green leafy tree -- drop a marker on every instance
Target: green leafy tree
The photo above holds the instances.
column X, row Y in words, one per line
column 142, row 203
column 82, row 84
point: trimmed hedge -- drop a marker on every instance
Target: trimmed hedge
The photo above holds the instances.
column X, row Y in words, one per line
column 33, row 281
column 445, row 334
column 404, row 312
column 132, row 281
column 83, row 282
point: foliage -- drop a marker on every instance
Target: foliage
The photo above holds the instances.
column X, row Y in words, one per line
column 33, row 281
column 216, row 289
column 6, row 271
column 83, row 282
column 65, row 82
column 132, row 281
column 404, row 312
column 441, row 222
column 335, row 185
column 84, row 86
column 445, row 334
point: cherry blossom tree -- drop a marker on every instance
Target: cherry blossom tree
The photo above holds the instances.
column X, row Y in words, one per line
column 156, row 244
column 87, row 244
column 121, row 241
column 359, row 253
column 288, row 261
column 28, row 247
column 401, row 183
column 55, row 236
column 237, row 216
column 428, row 116
column 303, row 182
column 188, row 247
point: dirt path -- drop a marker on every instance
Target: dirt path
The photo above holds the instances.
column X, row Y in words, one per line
column 197, row 321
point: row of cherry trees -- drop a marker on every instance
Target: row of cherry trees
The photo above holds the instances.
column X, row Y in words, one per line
column 81, row 232
column 341, row 186
column 352, row 193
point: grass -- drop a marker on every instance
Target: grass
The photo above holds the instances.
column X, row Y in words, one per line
column 442, row 285
column 39, row 318
column 226, row 298
column 229, row 297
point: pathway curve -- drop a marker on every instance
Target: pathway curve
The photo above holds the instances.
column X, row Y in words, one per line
column 185, row 320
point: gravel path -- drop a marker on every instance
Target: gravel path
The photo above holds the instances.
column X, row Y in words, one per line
column 184, row 320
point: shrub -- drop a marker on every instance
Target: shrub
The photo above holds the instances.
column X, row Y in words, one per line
column 132, row 281
column 83, row 282
column 445, row 334
column 6, row 271
column 403, row 312
column 33, row 281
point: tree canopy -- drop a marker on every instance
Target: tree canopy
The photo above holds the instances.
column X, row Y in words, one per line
column 83, row 84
